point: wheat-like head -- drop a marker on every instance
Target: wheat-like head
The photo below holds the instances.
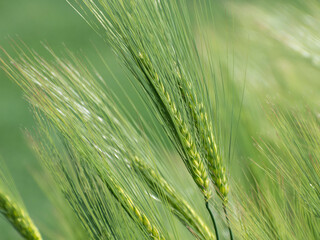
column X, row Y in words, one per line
column 18, row 218
column 163, row 189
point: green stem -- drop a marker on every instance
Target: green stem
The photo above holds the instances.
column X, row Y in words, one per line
column 228, row 222
column 213, row 221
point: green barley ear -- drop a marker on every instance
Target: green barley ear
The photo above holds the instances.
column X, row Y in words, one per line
column 181, row 207
column 172, row 115
column 14, row 211
column 150, row 47
column 133, row 210
column 18, row 218
column 205, row 134
column 215, row 164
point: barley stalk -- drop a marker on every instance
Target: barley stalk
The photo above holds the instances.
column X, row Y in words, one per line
column 18, row 218
column 162, row 188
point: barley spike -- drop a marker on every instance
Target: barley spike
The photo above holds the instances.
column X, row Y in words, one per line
column 193, row 160
column 18, row 218
column 161, row 187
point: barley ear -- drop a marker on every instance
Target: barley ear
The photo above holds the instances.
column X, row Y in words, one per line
column 179, row 205
column 216, row 169
column 192, row 159
column 18, row 218
column 128, row 204
column 205, row 134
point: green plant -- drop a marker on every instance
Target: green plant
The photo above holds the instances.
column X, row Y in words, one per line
column 162, row 170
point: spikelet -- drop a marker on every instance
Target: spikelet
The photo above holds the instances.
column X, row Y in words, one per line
column 18, row 218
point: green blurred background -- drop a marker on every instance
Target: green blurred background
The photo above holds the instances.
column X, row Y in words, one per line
column 54, row 23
